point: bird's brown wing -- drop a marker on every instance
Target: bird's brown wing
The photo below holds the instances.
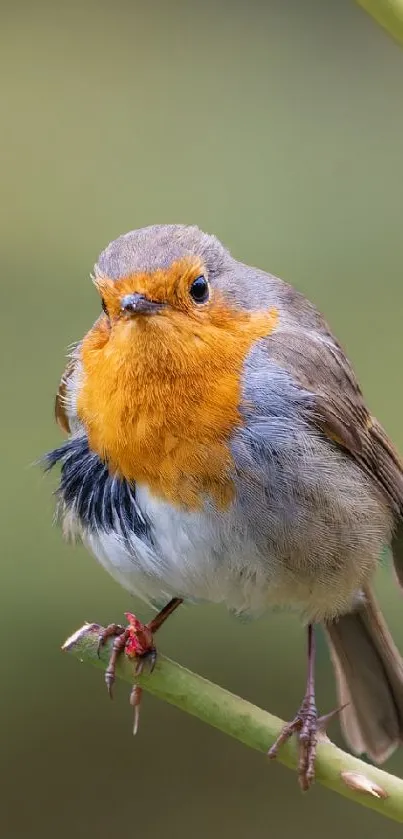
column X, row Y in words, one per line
column 319, row 364
column 60, row 399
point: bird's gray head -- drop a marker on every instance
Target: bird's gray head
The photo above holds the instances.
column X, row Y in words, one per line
column 158, row 247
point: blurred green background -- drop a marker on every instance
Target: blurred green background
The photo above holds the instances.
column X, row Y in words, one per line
column 278, row 126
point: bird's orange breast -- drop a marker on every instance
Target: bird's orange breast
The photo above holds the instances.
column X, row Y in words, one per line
column 160, row 398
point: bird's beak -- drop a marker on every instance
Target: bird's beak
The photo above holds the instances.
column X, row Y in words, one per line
column 138, row 304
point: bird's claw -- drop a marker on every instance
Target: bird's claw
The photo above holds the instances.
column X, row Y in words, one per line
column 113, row 630
column 136, row 641
column 147, row 659
column 309, row 728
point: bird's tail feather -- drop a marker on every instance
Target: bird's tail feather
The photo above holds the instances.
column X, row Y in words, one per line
column 369, row 676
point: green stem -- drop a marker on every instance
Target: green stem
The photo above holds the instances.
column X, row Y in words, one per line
column 341, row 772
column 388, row 13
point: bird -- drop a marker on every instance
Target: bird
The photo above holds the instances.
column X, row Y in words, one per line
column 219, row 449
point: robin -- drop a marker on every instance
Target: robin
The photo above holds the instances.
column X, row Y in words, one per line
column 220, row 450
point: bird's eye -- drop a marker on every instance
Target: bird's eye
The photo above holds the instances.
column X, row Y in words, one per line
column 199, row 290
column 104, row 306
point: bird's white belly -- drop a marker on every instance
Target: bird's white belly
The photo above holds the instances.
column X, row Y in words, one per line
column 200, row 556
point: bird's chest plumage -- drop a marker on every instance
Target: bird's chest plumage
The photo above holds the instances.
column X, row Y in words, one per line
column 160, row 402
column 174, row 440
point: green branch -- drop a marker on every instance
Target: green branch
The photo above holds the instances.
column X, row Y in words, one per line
column 337, row 770
column 388, row 13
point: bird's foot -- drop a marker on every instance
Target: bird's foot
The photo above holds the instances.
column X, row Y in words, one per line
column 136, row 640
column 309, row 728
